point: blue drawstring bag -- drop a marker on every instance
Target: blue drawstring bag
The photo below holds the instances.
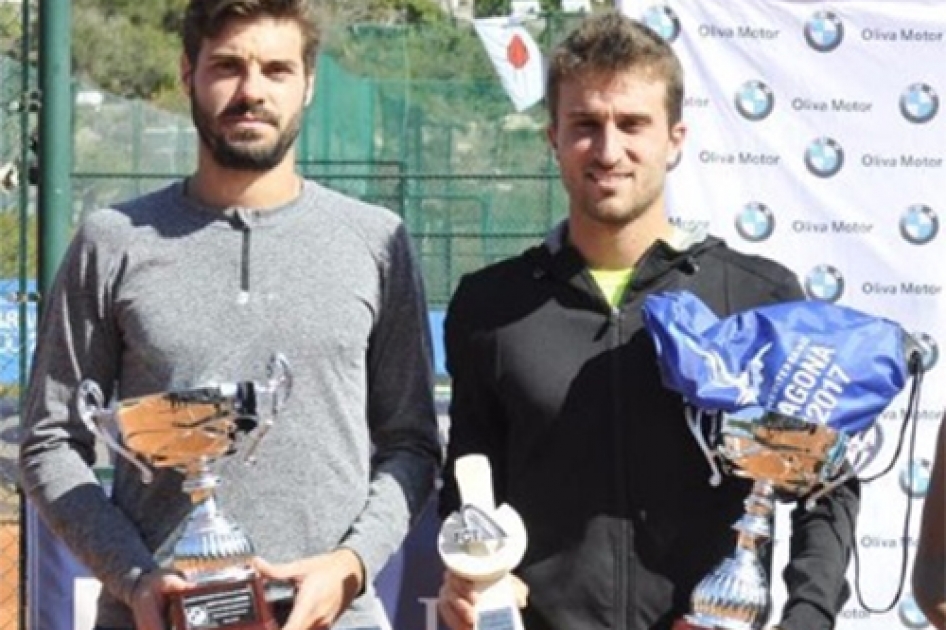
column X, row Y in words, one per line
column 813, row 361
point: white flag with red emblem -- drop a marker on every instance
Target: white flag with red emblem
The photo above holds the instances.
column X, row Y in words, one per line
column 516, row 57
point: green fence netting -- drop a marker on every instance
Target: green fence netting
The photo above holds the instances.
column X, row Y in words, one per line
column 18, row 104
column 413, row 119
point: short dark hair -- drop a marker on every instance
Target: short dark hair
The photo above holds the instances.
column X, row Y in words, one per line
column 207, row 18
column 611, row 42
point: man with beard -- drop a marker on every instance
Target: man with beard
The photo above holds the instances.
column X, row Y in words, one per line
column 200, row 283
column 557, row 383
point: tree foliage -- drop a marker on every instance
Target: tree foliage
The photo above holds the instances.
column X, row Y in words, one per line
column 132, row 48
column 380, row 11
column 11, row 27
column 128, row 47
column 489, row 8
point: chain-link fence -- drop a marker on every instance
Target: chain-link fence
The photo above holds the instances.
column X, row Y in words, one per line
column 18, row 104
column 473, row 179
column 411, row 119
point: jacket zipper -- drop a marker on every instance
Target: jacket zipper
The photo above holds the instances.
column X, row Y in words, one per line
column 622, row 580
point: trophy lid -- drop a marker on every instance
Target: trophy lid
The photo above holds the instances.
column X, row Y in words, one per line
column 791, row 381
column 818, row 362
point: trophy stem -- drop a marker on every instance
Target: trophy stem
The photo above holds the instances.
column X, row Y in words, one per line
column 199, row 481
column 735, row 594
column 212, row 547
column 755, row 526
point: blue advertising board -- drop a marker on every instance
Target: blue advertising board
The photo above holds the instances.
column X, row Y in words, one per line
column 10, row 342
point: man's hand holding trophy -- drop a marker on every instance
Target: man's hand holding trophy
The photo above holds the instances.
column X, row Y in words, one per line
column 480, row 544
column 211, row 580
column 775, row 394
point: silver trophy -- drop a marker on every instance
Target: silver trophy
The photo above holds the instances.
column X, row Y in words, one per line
column 789, row 389
column 779, row 453
column 188, row 430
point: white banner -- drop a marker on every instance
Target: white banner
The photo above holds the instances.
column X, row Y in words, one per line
column 516, row 58
column 816, row 137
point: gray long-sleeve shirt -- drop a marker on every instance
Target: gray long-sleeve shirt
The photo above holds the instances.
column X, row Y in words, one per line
column 163, row 294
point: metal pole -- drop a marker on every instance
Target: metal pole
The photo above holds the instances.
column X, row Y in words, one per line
column 137, row 133
column 25, row 98
column 549, row 154
column 54, row 194
column 24, row 292
column 55, row 138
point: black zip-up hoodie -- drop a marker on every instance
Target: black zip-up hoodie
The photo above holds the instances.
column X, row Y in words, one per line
column 562, row 392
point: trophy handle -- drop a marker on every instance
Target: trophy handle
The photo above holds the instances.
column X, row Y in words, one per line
column 91, row 407
column 694, row 421
column 280, row 381
column 278, row 387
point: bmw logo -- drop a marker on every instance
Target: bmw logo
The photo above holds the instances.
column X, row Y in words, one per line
column 824, row 31
column 824, row 157
column 662, row 20
column 865, row 446
column 915, row 478
column 919, row 224
column 754, row 100
column 910, row 614
column 929, row 348
column 824, row 283
column 919, row 103
column 755, row 222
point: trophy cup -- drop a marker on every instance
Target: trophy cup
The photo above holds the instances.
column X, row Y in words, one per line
column 780, row 453
column 483, row 543
column 785, row 387
column 188, row 430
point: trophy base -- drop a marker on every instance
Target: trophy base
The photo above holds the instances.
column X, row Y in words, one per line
column 496, row 607
column 710, row 622
column 239, row 605
column 498, row 619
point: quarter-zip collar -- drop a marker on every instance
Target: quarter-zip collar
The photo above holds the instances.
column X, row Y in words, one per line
column 558, row 258
column 236, row 217
column 246, row 220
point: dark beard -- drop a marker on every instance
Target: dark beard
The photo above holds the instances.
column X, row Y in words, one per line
column 238, row 156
